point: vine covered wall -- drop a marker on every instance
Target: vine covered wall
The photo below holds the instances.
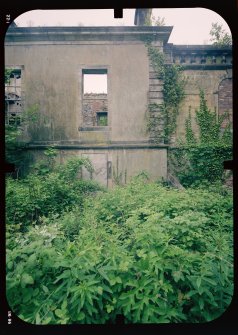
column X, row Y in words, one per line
column 173, row 84
column 198, row 132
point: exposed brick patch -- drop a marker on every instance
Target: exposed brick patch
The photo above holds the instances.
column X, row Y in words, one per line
column 93, row 103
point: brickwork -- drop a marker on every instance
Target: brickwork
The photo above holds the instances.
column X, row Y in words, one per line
column 155, row 99
column 225, row 99
column 92, row 104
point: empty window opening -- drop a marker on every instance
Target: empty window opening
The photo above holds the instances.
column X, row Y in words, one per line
column 102, row 119
column 95, row 104
column 95, row 81
column 13, row 101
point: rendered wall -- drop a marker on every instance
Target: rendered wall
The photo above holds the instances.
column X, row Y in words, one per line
column 209, row 81
column 52, row 62
column 52, row 78
column 116, row 165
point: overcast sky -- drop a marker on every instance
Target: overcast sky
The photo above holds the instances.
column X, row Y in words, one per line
column 191, row 25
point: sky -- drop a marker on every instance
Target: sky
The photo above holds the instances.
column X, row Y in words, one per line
column 191, row 25
column 95, row 83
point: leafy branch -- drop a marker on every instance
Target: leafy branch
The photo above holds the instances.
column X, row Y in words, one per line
column 219, row 36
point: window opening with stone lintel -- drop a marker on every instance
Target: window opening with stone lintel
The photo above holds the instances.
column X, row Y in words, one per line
column 95, row 100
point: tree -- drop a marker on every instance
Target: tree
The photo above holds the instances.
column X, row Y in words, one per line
column 219, row 36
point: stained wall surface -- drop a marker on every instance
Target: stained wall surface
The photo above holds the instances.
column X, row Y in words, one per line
column 217, row 90
column 53, row 61
column 52, row 79
column 115, row 165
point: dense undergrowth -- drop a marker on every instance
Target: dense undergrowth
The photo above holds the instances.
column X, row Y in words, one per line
column 46, row 191
column 152, row 253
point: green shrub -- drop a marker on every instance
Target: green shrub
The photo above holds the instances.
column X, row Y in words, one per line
column 199, row 159
column 151, row 253
column 200, row 164
column 46, row 193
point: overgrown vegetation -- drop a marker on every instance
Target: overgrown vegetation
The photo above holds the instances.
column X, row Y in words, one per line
column 199, row 158
column 173, row 94
column 151, row 253
column 50, row 190
column 77, row 253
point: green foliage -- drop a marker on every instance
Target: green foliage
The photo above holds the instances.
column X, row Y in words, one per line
column 173, row 94
column 47, row 164
column 189, row 134
column 30, row 115
column 7, row 75
column 46, row 192
column 200, row 158
column 200, row 164
column 151, row 253
column 13, row 148
column 208, row 123
column 157, row 59
column 15, row 144
column 102, row 121
column 118, row 175
column 219, row 36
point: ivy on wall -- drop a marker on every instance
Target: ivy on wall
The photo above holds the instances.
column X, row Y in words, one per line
column 199, row 157
column 173, row 94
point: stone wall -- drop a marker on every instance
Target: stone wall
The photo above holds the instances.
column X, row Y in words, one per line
column 155, row 99
column 209, row 82
column 114, row 164
column 93, row 104
column 199, row 56
column 53, row 62
column 225, row 99
column 207, row 68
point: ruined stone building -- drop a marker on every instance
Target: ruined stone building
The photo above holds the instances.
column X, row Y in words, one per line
column 93, row 85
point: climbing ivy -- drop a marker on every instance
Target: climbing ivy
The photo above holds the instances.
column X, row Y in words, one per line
column 189, row 134
column 173, row 94
column 199, row 158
